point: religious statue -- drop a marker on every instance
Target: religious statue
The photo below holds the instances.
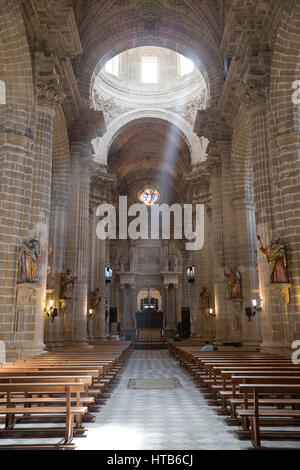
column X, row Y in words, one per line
column 256, row 267
column 67, row 284
column 276, row 257
column 50, row 248
column 173, row 263
column 234, row 283
column 29, row 261
column 205, row 295
column 96, row 299
column 123, row 263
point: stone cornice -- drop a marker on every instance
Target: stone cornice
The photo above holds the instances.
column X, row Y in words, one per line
column 88, row 126
column 53, row 27
column 211, row 124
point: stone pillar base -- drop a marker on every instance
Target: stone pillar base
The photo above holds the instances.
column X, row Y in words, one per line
column 99, row 339
column 56, row 345
column 277, row 348
column 24, row 352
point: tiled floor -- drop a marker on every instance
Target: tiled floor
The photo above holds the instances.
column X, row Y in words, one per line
column 177, row 419
column 157, row 419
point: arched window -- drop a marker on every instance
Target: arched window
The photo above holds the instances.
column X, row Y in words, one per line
column 149, row 70
column 2, row 92
column 112, row 66
column 186, row 66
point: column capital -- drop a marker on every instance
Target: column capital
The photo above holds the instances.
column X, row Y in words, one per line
column 256, row 87
column 211, row 124
column 214, row 165
column 47, row 81
column 90, row 125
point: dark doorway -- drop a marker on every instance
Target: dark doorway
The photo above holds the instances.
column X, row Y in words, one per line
column 113, row 317
column 185, row 323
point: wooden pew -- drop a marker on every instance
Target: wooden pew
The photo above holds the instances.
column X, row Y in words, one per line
column 255, row 414
column 42, row 388
column 93, row 367
column 229, row 389
column 238, row 380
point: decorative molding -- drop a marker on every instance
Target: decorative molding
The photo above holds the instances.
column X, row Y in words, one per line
column 280, row 291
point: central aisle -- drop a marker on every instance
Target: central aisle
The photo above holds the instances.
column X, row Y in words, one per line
column 157, row 419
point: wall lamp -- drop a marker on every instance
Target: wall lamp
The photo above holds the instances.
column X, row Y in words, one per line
column 252, row 311
column 51, row 311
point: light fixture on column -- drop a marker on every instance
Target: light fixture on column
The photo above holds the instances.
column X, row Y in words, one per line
column 51, row 311
column 190, row 272
column 251, row 312
column 49, row 308
column 90, row 313
column 211, row 312
column 108, row 274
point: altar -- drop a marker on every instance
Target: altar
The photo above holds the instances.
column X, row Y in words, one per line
column 149, row 324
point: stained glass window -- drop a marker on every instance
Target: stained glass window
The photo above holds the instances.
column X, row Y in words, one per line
column 149, row 196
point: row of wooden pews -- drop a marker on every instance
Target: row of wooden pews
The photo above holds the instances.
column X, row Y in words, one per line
column 255, row 390
column 65, row 386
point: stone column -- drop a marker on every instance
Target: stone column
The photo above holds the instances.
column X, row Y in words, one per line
column 123, row 308
column 54, row 329
column 16, row 173
column 245, row 243
column 166, row 306
column 230, row 314
column 176, row 315
column 287, row 217
column 77, row 247
column 48, row 96
column 223, row 311
column 133, row 306
column 275, row 299
column 198, row 182
column 97, row 275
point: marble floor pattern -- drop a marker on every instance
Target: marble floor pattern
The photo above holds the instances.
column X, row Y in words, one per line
column 176, row 419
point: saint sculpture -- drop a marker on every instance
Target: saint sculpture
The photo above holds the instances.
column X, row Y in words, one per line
column 234, row 283
column 276, row 257
column 67, row 285
column 29, row 261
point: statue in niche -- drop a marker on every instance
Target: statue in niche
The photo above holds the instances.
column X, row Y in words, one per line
column 67, row 285
column 149, row 256
column 173, row 263
column 50, row 249
column 205, row 296
column 124, row 264
column 234, row 283
column 276, row 257
column 256, row 267
column 29, row 261
column 96, row 299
